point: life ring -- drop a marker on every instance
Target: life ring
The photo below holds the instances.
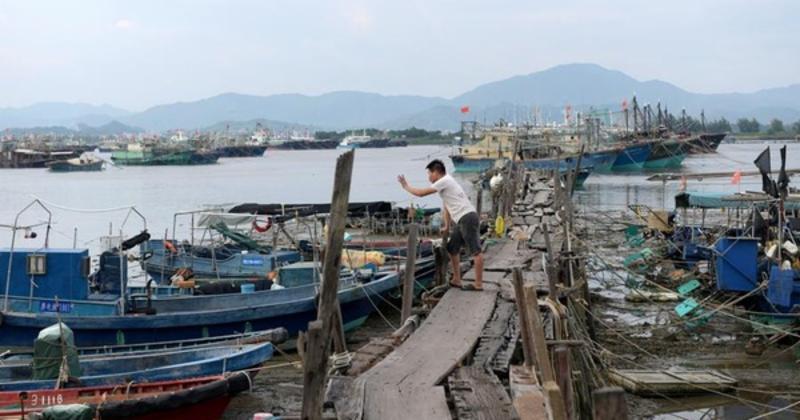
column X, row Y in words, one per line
column 262, row 228
column 170, row 247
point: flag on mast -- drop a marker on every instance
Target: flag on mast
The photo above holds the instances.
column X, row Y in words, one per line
column 737, row 178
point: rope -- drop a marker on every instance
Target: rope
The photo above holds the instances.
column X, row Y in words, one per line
column 77, row 210
column 706, row 389
column 768, row 414
column 366, row 293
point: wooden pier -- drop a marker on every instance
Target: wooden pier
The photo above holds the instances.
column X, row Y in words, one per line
column 459, row 362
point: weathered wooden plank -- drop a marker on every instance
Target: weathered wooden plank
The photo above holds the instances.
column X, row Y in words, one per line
column 404, row 384
column 662, row 382
column 479, row 395
column 528, row 400
column 370, row 354
column 497, row 334
column 609, row 404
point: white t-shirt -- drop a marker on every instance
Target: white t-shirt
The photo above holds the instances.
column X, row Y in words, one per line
column 454, row 197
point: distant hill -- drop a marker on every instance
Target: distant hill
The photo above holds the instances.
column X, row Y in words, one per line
column 109, row 129
column 331, row 110
column 580, row 85
column 250, row 125
column 58, row 114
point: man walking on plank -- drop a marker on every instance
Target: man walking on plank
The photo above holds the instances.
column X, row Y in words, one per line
column 461, row 220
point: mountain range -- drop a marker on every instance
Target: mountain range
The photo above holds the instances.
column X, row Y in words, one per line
column 579, row 85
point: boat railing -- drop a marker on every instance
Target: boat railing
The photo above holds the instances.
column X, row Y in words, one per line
column 14, row 229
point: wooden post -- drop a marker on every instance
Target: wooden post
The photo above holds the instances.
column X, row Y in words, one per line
column 313, row 394
column 561, row 358
column 537, row 333
column 337, row 325
column 609, row 403
column 441, row 261
column 408, row 281
column 314, row 379
column 525, row 330
column 574, row 178
column 479, row 200
column 552, row 277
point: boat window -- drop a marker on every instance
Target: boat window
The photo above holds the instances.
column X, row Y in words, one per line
column 37, row 265
column 86, row 266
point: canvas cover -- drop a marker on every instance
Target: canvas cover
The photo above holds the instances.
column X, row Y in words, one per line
column 49, row 351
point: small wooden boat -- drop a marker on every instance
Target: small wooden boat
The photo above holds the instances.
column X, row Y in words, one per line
column 119, row 369
column 85, row 163
column 197, row 398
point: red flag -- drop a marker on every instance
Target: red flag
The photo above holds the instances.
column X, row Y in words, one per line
column 465, row 109
column 624, row 104
column 737, row 178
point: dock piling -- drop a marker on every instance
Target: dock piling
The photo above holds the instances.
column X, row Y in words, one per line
column 408, row 280
column 316, row 363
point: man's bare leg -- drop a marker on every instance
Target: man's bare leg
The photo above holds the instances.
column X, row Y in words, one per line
column 455, row 261
column 478, row 261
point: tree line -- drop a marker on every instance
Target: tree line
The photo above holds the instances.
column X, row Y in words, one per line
column 775, row 127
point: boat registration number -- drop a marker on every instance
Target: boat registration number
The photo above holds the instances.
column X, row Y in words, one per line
column 53, row 306
column 252, row 261
column 40, row 400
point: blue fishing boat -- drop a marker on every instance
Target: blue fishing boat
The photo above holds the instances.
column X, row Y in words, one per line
column 632, row 158
column 666, row 154
column 601, row 161
column 44, row 285
column 133, row 367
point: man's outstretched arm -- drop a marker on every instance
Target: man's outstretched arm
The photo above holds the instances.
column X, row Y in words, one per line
column 419, row 192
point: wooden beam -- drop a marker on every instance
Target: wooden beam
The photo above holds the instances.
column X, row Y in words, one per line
column 537, row 333
column 609, row 403
column 326, row 313
column 313, row 379
column 408, row 281
column 524, row 319
column 563, row 365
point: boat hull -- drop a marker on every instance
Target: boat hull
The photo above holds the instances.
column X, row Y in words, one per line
column 631, row 158
column 196, row 398
column 193, row 317
column 165, row 159
column 63, row 166
column 241, row 151
column 666, row 155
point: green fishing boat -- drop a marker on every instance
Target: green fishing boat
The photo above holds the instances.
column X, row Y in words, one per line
column 138, row 155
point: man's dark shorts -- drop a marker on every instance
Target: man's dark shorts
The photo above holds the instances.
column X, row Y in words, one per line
column 465, row 234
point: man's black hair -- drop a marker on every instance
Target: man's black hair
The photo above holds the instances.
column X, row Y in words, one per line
column 436, row 165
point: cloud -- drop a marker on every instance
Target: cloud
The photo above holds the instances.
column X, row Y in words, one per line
column 123, row 24
column 360, row 18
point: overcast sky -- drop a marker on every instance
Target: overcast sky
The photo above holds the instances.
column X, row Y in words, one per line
column 135, row 54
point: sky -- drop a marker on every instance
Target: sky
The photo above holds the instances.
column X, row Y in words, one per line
column 137, row 54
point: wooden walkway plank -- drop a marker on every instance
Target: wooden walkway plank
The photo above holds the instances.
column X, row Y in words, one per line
column 479, row 395
column 404, row 384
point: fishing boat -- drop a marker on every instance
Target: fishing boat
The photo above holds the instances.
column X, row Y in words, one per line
column 85, row 163
column 354, row 141
column 105, row 311
column 202, row 398
column 120, row 369
column 151, row 155
column 665, row 153
column 704, row 143
column 631, row 158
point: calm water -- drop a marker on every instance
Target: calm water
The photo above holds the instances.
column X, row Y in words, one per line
column 159, row 192
column 291, row 177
